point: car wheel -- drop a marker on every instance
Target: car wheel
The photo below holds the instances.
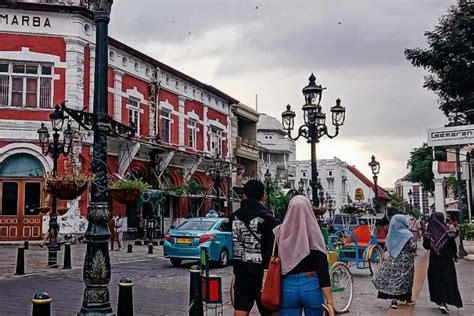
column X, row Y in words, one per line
column 223, row 258
column 176, row 262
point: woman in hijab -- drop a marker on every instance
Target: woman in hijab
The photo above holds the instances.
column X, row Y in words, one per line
column 394, row 278
column 305, row 281
column 442, row 280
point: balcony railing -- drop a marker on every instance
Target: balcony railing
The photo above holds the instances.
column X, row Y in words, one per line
column 246, row 148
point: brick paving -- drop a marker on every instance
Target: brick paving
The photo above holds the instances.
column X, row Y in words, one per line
column 161, row 289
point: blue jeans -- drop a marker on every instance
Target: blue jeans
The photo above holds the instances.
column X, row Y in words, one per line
column 301, row 292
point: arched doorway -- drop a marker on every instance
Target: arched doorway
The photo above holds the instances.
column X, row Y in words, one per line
column 21, row 196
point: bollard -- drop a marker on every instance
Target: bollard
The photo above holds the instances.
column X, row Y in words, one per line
column 129, row 248
column 195, row 292
column 20, row 261
column 41, row 304
column 67, row 256
column 26, row 244
column 125, row 298
column 150, row 249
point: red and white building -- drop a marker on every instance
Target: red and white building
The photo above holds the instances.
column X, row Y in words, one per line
column 46, row 57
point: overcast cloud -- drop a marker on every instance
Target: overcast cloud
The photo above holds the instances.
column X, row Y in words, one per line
column 354, row 47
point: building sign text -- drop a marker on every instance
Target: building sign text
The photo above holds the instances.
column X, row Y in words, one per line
column 450, row 136
column 24, row 20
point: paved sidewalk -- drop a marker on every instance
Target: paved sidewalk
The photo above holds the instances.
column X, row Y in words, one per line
column 465, row 271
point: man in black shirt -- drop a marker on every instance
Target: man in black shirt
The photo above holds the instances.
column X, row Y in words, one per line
column 252, row 241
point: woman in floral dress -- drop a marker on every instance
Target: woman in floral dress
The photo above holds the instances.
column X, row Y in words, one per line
column 394, row 279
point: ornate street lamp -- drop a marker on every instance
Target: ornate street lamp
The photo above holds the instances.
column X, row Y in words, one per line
column 97, row 269
column 329, row 204
column 268, row 187
column 410, row 197
column 301, row 186
column 375, row 166
column 217, row 172
column 314, row 127
column 55, row 149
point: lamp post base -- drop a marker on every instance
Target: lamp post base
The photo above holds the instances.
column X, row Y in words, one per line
column 97, row 269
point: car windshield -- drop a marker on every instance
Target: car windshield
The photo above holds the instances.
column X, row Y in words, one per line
column 196, row 225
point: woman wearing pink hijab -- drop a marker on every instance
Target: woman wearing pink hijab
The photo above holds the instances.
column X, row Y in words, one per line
column 305, row 281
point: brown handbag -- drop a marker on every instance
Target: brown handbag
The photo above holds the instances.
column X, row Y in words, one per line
column 271, row 287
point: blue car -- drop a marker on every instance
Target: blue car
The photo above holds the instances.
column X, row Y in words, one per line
column 184, row 242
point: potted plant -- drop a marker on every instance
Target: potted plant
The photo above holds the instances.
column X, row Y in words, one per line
column 69, row 185
column 194, row 188
column 175, row 190
column 128, row 191
column 466, row 230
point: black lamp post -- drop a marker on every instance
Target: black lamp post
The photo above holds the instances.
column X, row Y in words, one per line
column 55, row 149
column 97, row 269
column 375, row 166
column 410, row 197
column 314, row 126
column 268, row 187
column 217, row 173
column 329, row 204
column 301, row 186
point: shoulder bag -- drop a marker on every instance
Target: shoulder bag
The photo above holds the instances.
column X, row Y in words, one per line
column 271, row 287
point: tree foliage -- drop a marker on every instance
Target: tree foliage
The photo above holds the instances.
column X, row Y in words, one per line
column 397, row 206
column 449, row 59
column 420, row 165
column 279, row 202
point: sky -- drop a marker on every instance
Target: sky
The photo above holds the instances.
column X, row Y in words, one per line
column 269, row 48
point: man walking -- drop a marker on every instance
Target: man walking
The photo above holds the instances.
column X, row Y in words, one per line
column 252, row 241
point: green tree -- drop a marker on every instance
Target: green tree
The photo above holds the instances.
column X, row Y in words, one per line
column 449, row 59
column 397, row 206
column 420, row 165
column 279, row 202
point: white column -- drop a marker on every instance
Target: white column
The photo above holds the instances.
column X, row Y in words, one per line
column 204, row 130
column 181, row 127
column 91, row 80
column 439, row 195
column 75, row 72
column 118, row 74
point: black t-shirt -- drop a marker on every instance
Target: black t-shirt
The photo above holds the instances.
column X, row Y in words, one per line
column 252, row 237
column 315, row 261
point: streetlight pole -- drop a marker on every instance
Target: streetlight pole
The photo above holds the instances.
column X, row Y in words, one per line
column 375, row 167
column 55, row 149
column 97, row 269
column 462, row 253
column 217, row 172
column 301, row 186
column 314, row 128
column 268, row 185
column 410, row 197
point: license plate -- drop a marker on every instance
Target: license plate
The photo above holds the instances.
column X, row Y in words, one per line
column 184, row 241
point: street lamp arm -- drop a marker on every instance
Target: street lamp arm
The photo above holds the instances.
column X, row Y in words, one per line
column 336, row 132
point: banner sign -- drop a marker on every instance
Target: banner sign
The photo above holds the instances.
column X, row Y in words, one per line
column 450, row 136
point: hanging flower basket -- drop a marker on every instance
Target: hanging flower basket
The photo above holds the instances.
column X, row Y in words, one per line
column 44, row 210
column 62, row 210
column 128, row 191
column 66, row 190
column 68, row 186
column 125, row 196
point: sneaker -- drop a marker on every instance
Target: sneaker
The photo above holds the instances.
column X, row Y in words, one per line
column 443, row 309
column 410, row 302
column 394, row 305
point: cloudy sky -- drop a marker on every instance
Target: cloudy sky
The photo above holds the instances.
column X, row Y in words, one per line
column 354, row 47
